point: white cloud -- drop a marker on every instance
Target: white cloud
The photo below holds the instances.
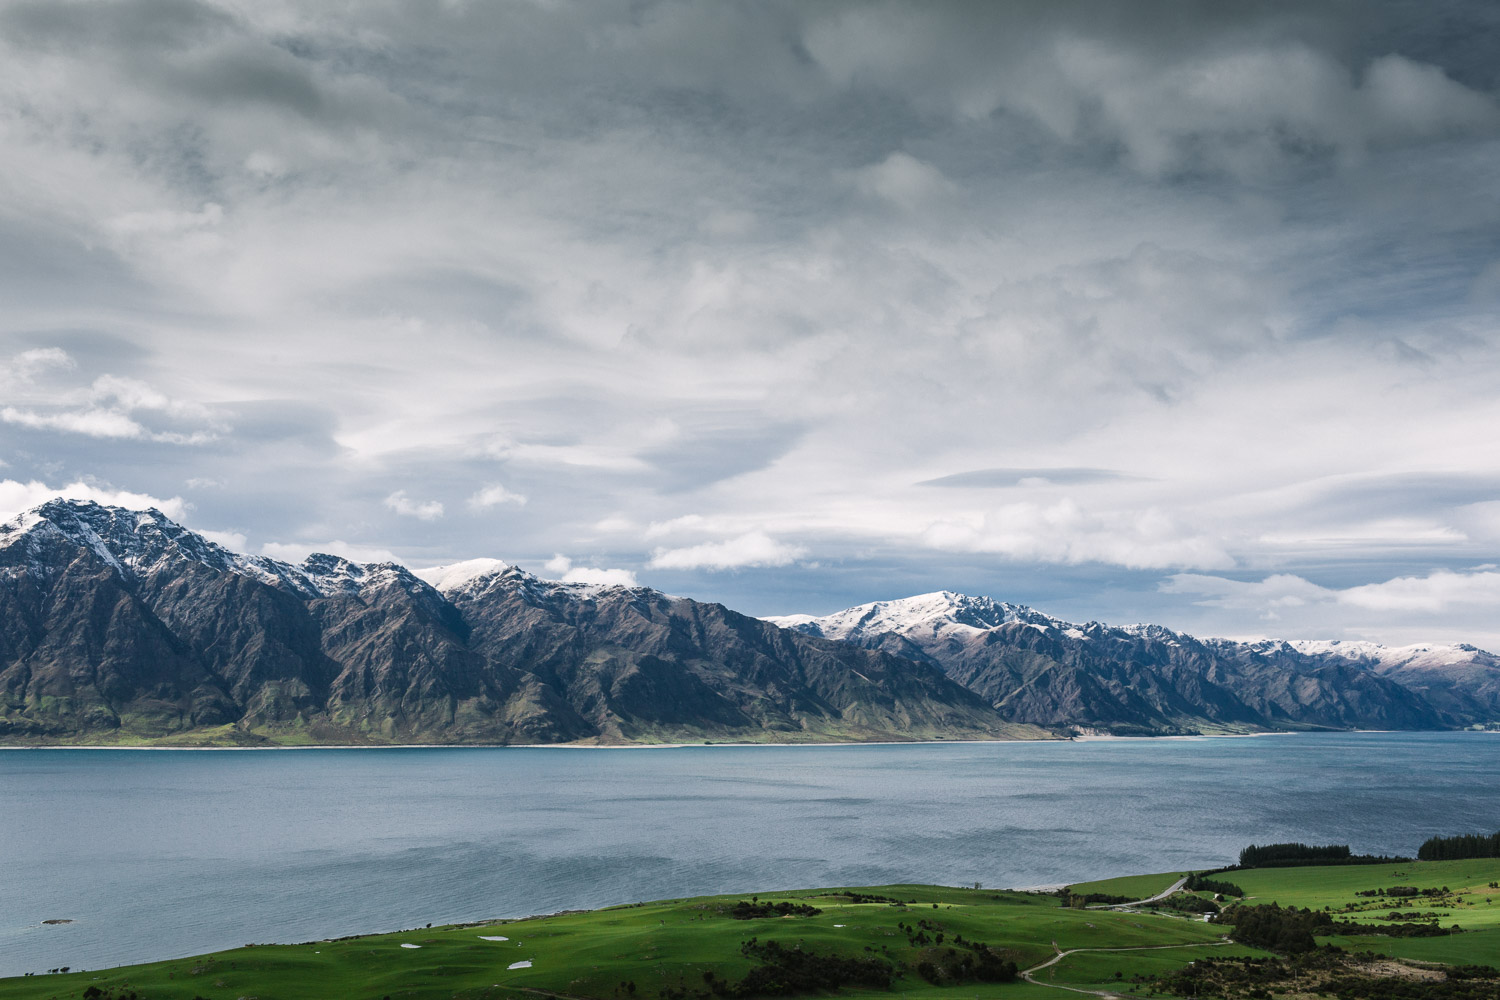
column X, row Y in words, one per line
column 93, row 423
column 561, row 567
column 16, row 497
column 754, row 548
column 425, row 510
column 296, row 552
column 685, row 523
column 903, row 180
column 1064, row 532
column 586, row 456
column 234, row 541
column 495, row 494
column 166, row 222
column 107, row 407
column 1442, row 606
column 27, row 365
column 1438, row 592
column 600, row 577
column 615, row 524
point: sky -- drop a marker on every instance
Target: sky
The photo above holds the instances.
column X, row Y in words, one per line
column 1130, row 312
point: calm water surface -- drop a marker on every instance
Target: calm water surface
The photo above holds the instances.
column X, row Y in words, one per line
column 160, row 854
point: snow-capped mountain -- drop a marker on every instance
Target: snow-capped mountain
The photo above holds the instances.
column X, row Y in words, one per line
column 1459, row 680
column 1148, row 678
column 139, row 543
column 928, row 616
column 120, row 624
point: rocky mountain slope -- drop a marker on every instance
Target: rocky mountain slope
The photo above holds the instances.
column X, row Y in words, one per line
column 1148, row 679
column 119, row 625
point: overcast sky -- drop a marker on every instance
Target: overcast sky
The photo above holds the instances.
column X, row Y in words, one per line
column 1128, row 311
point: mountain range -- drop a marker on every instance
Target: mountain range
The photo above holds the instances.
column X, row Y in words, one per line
column 122, row 626
column 1150, row 680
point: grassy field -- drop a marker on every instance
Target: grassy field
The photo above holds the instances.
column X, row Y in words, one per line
column 1471, row 903
column 655, row 945
column 1096, row 969
column 652, row 951
column 1134, row 886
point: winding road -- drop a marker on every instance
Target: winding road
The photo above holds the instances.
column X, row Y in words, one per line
column 1142, row 902
column 1061, row 954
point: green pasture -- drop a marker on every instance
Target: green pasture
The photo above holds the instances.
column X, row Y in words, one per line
column 1134, row 886
column 670, row 944
column 655, row 945
column 1473, row 905
column 1095, row 970
column 1469, row 948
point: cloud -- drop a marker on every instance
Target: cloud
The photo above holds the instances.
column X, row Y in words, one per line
column 1000, row 478
column 902, row 180
column 1065, row 532
column 425, row 510
column 234, row 541
column 25, row 366
column 754, row 548
column 106, row 408
column 600, row 577
column 16, row 497
column 587, row 456
column 1208, row 93
column 1305, row 609
column 94, row 423
column 1435, row 593
column 494, row 495
column 561, row 567
column 296, row 552
column 1208, row 288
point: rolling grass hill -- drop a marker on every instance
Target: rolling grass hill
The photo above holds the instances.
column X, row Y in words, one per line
column 675, row 949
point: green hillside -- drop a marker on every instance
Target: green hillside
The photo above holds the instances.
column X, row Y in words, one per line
column 927, row 941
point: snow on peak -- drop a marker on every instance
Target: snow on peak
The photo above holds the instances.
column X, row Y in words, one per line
column 1418, row 656
column 134, row 543
column 925, row 615
column 455, row 576
column 129, row 541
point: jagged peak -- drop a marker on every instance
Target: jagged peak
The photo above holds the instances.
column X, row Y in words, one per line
column 134, row 541
column 131, row 541
column 942, row 610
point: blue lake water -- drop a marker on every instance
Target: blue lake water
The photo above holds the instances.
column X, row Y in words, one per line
column 159, row 854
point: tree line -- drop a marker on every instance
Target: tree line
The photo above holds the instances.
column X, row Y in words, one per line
column 1467, row 845
column 1296, row 855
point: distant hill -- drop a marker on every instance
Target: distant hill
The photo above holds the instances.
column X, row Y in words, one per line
column 1141, row 679
column 123, row 626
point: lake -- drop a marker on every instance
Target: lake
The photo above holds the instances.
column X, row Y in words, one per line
column 159, row 854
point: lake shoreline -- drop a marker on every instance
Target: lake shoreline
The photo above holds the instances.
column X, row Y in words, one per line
column 1087, row 738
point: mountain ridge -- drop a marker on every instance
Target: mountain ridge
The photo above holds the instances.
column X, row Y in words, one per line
column 123, row 625
column 1150, row 678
